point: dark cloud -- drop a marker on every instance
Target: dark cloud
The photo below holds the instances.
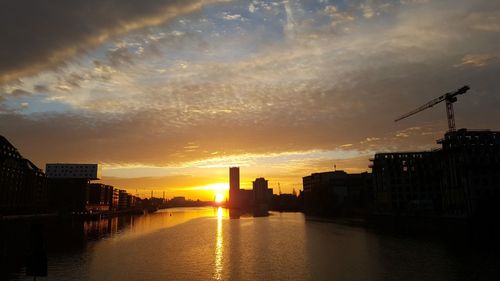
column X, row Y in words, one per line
column 20, row 93
column 39, row 34
column 41, row 88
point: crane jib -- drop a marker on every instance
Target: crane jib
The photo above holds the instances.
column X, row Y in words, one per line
column 450, row 99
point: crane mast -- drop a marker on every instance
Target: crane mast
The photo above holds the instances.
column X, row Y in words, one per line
column 450, row 98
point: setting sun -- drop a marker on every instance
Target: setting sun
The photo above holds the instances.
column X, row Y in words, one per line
column 219, row 198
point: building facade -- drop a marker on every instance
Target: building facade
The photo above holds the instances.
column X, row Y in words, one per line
column 100, row 197
column 407, row 183
column 123, row 200
column 23, row 186
column 73, row 171
column 461, row 179
column 470, row 173
column 69, row 188
column 336, row 192
column 262, row 196
column 234, row 186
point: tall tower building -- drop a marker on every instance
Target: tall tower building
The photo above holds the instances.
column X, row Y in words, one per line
column 261, row 191
column 234, row 185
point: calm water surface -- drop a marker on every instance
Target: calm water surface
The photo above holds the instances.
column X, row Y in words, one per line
column 205, row 244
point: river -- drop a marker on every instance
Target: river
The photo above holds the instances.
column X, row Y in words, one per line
column 206, row 244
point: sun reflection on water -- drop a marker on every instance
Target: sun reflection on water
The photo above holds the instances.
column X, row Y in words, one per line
column 218, row 246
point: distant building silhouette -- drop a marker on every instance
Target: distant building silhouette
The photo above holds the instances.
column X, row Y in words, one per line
column 71, row 190
column 262, row 196
column 100, row 197
column 69, row 185
column 245, row 199
column 461, row 179
column 123, row 200
column 407, row 182
column 257, row 200
column 177, row 201
column 23, row 186
column 336, row 192
column 64, row 188
column 285, row 202
column 234, row 186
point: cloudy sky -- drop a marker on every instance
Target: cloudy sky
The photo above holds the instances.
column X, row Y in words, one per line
column 166, row 95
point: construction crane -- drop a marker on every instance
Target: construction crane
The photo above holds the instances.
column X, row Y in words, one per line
column 450, row 98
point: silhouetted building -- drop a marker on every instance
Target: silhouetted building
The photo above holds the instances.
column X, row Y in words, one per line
column 470, row 173
column 337, row 192
column 245, row 199
column 23, row 186
column 67, row 195
column 177, row 201
column 262, row 196
column 123, row 200
column 407, row 183
column 114, row 200
column 68, row 185
column 234, row 186
column 257, row 200
column 73, row 171
column 285, row 203
column 461, row 179
column 100, row 197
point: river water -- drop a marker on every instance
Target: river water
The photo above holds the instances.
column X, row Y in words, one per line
column 206, row 244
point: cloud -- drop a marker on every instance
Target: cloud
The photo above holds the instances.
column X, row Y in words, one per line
column 346, row 145
column 232, row 17
column 337, row 16
column 252, row 8
column 484, row 20
column 19, row 93
column 42, row 34
column 479, row 60
column 367, row 10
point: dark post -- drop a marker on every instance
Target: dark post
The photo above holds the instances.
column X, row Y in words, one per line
column 37, row 258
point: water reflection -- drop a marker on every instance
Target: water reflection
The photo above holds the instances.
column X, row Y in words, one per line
column 218, row 246
column 204, row 244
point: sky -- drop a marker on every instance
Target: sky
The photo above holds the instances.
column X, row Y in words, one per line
column 166, row 95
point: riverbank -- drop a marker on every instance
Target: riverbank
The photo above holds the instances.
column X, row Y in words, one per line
column 77, row 215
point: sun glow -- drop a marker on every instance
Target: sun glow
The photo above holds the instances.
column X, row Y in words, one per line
column 219, row 197
column 218, row 191
column 220, row 187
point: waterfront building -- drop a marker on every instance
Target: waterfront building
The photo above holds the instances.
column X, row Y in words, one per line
column 262, row 196
column 260, row 189
column 73, row 171
column 257, row 199
column 123, row 200
column 68, row 185
column 67, row 195
column 285, row 202
column 461, row 179
column 115, row 199
column 234, row 186
column 336, row 192
column 177, row 201
column 470, row 173
column 99, row 197
column 23, row 186
column 407, row 183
